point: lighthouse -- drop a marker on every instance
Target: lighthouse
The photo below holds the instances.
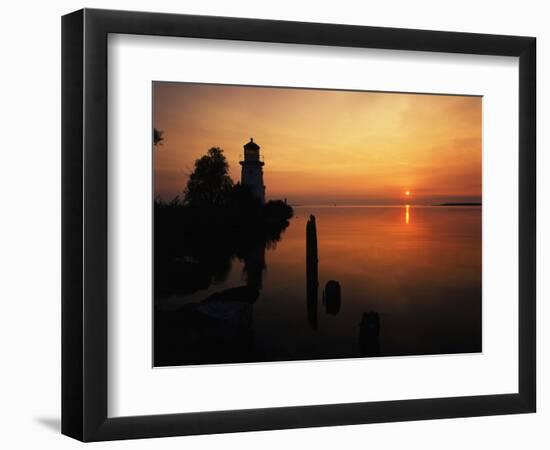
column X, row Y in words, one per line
column 252, row 173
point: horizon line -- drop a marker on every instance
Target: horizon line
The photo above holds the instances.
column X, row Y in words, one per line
column 302, row 205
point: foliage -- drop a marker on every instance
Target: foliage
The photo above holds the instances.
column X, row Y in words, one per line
column 209, row 184
column 277, row 209
column 158, row 137
column 198, row 235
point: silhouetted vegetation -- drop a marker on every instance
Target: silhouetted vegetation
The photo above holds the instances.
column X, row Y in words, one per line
column 209, row 184
column 157, row 136
column 216, row 220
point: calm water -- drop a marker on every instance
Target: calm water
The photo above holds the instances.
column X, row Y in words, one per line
column 418, row 268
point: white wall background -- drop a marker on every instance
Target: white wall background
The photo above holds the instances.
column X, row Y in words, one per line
column 30, row 223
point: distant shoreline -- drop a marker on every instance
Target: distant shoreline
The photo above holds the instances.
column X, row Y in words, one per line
column 380, row 205
column 458, row 204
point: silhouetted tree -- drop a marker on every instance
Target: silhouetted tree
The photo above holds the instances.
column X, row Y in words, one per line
column 242, row 199
column 277, row 209
column 210, row 183
column 157, row 136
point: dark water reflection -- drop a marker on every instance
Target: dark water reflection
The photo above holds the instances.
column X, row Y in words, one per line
column 409, row 283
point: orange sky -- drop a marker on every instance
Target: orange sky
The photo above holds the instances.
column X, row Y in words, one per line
column 325, row 146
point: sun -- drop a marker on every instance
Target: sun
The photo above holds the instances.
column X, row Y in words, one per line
column 408, row 193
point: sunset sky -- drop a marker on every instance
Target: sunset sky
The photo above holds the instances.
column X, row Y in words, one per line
column 325, row 146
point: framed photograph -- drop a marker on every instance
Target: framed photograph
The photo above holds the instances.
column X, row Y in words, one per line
column 273, row 224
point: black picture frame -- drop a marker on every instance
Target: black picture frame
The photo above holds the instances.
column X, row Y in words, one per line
column 84, row 224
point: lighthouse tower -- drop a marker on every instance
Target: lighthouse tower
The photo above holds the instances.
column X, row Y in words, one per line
column 252, row 174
